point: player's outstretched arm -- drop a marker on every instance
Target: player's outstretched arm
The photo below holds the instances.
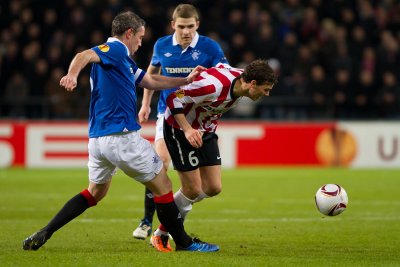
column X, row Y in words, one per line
column 80, row 61
column 159, row 82
column 145, row 110
column 195, row 72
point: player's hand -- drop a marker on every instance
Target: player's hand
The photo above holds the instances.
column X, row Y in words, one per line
column 144, row 114
column 195, row 72
column 68, row 82
column 194, row 137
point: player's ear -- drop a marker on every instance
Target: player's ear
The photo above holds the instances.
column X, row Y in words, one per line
column 197, row 24
column 129, row 32
column 173, row 24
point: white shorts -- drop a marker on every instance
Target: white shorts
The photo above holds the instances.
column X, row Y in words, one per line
column 130, row 152
column 159, row 127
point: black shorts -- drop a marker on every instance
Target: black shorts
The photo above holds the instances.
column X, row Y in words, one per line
column 187, row 158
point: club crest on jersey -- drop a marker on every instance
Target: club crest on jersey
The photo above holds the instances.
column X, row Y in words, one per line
column 155, row 160
column 180, row 93
column 196, row 54
column 104, row 48
column 168, row 54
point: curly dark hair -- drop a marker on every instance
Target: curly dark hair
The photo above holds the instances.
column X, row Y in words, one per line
column 260, row 71
column 125, row 21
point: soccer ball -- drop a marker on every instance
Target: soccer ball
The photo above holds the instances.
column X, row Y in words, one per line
column 331, row 199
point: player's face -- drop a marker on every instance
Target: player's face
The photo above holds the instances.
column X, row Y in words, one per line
column 185, row 30
column 258, row 91
column 136, row 40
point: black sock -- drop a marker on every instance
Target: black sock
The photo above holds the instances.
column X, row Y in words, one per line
column 72, row 209
column 170, row 218
column 149, row 206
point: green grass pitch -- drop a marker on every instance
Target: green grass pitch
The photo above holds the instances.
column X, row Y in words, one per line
column 263, row 217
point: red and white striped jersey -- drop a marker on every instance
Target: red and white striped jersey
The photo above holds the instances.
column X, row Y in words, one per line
column 204, row 100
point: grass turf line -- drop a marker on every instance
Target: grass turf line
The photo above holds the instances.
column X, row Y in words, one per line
column 263, row 217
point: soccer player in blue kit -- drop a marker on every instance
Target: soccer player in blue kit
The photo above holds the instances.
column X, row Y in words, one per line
column 174, row 55
column 114, row 138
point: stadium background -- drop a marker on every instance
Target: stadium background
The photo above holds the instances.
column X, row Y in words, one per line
column 335, row 59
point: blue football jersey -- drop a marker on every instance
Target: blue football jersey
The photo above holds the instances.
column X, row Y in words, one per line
column 113, row 84
column 177, row 62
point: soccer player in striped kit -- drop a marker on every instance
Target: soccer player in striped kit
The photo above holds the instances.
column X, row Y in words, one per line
column 174, row 56
column 114, row 137
column 191, row 120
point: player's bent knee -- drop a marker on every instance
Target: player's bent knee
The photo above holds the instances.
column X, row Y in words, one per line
column 213, row 191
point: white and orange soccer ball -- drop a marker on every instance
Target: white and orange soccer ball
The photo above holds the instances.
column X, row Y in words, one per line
column 331, row 199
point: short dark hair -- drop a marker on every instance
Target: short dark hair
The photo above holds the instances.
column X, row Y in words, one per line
column 124, row 21
column 260, row 71
column 185, row 11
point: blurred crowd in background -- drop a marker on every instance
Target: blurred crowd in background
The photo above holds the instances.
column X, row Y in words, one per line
column 336, row 59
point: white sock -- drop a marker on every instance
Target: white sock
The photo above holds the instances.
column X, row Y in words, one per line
column 184, row 204
column 159, row 232
column 200, row 197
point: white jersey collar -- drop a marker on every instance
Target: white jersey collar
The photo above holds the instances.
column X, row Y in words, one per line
column 113, row 39
column 192, row 44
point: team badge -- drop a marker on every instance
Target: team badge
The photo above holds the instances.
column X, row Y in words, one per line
column 196, row 54
column 155, row 160
column 180, row 93
column 104, row 48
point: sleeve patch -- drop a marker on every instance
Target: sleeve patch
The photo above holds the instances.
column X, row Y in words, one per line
column 104, row 48
column 180, row 93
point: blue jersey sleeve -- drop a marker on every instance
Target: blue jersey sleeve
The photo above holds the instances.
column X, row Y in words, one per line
column 110, row 53
column 217, row 54
column 138, row 73
column 155, row 59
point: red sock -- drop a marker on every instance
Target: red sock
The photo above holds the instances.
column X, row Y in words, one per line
column 90, row 199
column 162, row 228
column 169, row 217
column 167, row 198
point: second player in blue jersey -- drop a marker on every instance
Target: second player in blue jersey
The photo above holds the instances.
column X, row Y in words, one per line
column 177, row 61
column 175, row 56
